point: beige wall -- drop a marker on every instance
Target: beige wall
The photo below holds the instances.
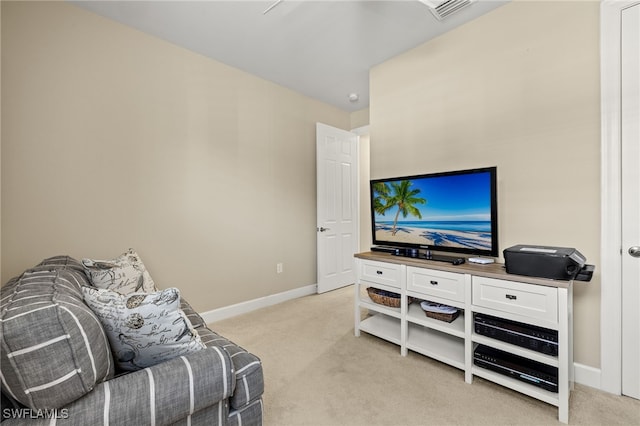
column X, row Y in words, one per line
column 360, row 118
column 114, row 139
column 518, row 89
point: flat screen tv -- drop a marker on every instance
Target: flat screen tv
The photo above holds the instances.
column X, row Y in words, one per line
column 452, row 211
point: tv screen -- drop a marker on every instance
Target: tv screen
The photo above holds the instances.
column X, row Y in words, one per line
column 452, row 211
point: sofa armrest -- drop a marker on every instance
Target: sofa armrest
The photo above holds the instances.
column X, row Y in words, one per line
column 162, row 394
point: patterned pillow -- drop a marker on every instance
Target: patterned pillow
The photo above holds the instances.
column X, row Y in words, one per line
column 144, row 329
column 53, row 349
column 124, row 274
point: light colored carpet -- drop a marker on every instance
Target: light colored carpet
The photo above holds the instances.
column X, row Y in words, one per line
column 318, row 373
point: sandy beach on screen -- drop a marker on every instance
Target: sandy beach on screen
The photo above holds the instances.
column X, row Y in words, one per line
column 441, row 237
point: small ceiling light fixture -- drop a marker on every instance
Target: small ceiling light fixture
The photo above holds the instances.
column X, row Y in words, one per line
column 354, row 97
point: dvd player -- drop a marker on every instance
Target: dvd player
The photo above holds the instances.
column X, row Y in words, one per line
column 535, row 373
column 528, row 336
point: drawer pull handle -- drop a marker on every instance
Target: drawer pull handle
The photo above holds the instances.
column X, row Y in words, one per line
column 379, row 272
column 511, row 297
column 434, row 282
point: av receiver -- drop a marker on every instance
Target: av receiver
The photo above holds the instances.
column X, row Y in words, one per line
column 517, row 367
column 525, row 335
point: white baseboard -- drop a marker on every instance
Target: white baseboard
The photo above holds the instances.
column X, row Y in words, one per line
column 262, row 302
column 585, row 375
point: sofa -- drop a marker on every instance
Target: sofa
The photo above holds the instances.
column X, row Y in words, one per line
column 59, row 365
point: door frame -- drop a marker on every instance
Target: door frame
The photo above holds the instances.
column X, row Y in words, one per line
column 611, row 197
column 363, row 179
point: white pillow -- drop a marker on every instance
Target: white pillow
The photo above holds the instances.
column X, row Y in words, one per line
column 144, row 329
column 124, row 274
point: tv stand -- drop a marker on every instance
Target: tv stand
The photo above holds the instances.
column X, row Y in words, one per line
column 486, row 290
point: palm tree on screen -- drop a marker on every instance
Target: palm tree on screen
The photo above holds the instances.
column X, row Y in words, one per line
column 381, row 191
column 397, row 194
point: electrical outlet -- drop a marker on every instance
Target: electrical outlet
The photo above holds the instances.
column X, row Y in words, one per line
column 279, row 267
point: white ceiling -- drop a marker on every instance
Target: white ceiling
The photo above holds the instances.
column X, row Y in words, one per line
column 320, row 48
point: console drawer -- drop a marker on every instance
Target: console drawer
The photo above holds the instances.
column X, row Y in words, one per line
column 530, row 300
column 381, row 273
column 446, row 285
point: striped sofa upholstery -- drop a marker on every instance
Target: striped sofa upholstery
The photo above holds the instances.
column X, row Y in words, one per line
column 43, row 318
column 248, row 368
column 57, row 368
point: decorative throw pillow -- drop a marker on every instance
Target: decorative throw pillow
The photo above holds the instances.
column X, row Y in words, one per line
column 144, row 329
column 124, row 274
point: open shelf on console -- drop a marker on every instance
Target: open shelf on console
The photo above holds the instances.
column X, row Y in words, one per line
column 367, row 303
column 383, row 326
column 437, row 345
column 416, row 315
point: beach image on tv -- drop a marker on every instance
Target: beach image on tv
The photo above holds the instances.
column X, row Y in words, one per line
column 445, row 211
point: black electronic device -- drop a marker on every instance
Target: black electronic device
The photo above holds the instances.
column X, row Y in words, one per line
column 454, row 260
column 416, row 253
column 528, row 336
column 454, row 212
column 396, row 251
column 523, row 369
column 558, row 263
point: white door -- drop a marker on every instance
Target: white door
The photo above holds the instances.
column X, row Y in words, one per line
column 337, row 206
column 630, row 150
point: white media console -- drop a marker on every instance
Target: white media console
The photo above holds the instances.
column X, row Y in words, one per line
column 483, row 289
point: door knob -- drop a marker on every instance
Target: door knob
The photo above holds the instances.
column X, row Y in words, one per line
column 634, row 251
column 321, row 229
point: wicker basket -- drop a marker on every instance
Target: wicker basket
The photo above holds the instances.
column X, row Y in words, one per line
column 443, row 317
column 385, row 298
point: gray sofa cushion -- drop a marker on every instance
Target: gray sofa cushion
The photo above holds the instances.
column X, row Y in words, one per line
column 44, row 318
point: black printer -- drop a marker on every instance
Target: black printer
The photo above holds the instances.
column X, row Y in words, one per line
column 557, row 263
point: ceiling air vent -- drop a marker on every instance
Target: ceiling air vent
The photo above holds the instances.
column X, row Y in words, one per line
column 444, row 8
